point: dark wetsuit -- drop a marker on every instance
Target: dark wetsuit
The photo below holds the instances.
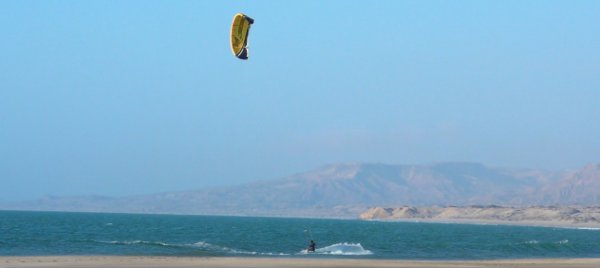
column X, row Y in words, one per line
column 312, row 246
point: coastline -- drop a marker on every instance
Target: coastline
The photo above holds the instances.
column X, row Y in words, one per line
column 546, row 224
column 235, row 262
column 472, row 221
column 538, row 216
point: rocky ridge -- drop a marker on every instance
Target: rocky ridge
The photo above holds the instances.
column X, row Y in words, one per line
column 345, row 190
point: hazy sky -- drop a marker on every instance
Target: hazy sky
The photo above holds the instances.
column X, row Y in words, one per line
column 133, row 97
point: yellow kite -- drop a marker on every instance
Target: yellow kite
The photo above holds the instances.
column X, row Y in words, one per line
column 240, row 28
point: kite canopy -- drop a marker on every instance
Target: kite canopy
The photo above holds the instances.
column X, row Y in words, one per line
column 239, row 35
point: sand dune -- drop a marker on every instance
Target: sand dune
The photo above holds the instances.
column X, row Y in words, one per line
column 534, row 215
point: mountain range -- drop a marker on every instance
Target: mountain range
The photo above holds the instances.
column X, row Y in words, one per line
column 346, row 190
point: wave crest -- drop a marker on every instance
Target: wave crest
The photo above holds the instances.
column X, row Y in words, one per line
column 345, row 248
column 223, row 249
column 139, row 242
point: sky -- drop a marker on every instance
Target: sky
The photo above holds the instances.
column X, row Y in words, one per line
column 134, row 97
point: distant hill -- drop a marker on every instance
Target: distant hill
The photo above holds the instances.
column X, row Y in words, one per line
column 346, row 190
column 579, row 187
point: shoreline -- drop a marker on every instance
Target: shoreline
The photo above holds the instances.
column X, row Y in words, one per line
column 544, row 224
column 547, row 224
column 539, row 216
column 239, row 262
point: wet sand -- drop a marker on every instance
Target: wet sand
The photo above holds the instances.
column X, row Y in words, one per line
column 223, row 262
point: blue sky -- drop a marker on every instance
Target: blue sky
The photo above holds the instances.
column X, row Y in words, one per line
column 134, row 97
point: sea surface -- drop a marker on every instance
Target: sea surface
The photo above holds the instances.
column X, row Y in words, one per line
column 61, row 233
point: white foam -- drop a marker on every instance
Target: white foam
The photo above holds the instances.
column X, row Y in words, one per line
column 209, row 246
column 348, row 249
column 212, row 247
column 588, row 228
column 139, row 242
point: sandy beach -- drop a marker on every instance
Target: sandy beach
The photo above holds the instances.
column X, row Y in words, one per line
column 222, row 262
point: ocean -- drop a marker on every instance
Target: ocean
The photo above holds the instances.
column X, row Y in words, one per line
column 62, row 233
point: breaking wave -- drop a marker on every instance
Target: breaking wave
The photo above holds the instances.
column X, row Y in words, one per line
column 228, row 250
column 545, row 244
column 588, row 228
column 348, row 249
column 198, row 245
column 140, row 242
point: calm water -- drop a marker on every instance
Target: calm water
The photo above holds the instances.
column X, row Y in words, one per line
column 58, row 233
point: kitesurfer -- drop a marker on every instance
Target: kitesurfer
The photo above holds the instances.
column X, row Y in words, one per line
column 311, row 246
